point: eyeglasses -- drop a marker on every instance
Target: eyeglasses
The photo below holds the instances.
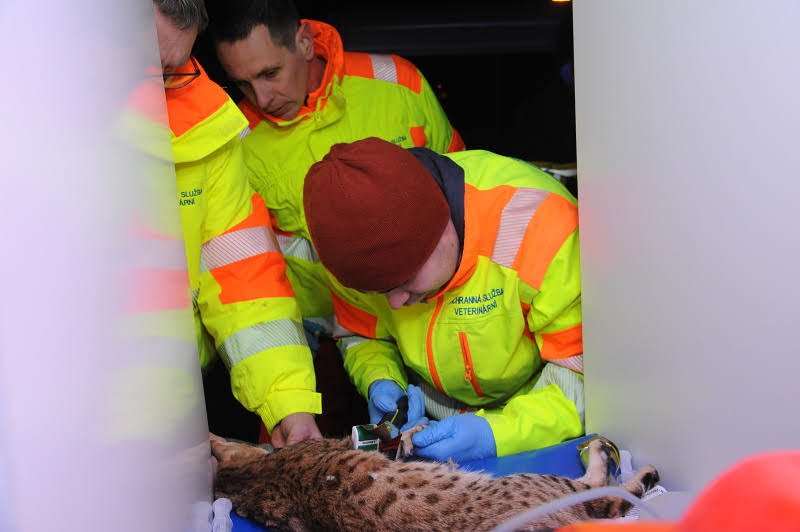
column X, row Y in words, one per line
column 175, row 79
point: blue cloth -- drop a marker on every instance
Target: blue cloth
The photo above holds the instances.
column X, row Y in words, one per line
column 562, row 459
column 240, row 524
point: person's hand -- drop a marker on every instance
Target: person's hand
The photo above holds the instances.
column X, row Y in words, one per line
column 383, row 396
column 461, row 437
column 295, row 428
column 313, row 332
column 416, row 408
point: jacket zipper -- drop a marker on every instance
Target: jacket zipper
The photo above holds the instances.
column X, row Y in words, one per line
column 429, row 345
column 469, row 372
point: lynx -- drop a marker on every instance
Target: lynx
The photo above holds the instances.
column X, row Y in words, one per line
column 326, row 485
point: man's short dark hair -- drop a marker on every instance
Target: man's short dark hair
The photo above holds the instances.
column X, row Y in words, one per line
column 184, row 13
column 233, row 20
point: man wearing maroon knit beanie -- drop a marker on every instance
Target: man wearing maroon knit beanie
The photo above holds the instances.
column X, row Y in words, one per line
column 456, row 282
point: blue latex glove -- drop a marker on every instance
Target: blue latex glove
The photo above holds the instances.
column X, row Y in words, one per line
column 416, row 408
column 383, row 396
column 312, row 330
column 461, row 437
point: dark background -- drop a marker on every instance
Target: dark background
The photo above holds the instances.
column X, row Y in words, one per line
column 503, row 73
column 502, row 69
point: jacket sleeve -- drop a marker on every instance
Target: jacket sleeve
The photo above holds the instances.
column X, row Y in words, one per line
column 245, row 299
column 550, row 272
column 438, row 134
column 548, row 414
column 367, row 357
column 550, row 285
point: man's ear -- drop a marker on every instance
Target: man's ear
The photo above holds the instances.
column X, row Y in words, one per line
column 304, row 41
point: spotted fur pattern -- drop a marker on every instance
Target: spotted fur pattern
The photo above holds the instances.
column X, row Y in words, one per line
column 326, row 485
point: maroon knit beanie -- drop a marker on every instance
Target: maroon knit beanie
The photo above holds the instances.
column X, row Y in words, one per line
column 375, row 213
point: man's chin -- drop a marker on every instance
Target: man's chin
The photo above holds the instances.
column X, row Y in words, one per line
column 286, row 112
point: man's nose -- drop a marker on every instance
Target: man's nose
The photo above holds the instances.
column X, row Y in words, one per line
column 263, row 94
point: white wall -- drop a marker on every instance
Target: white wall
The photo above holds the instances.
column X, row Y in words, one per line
column 688, row 130
column 103, row 424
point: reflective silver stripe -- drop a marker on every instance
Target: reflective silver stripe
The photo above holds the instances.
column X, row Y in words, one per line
column 243, row 133
column 338, row 330
column 347, row 338
column 298, row 247
column 574, row 363
column 383, row 67
column 232, row 247
column 323, row 322
column 558, row 173
column 260, row 337
column 568, row 381
column 514, row 221
column 347, row 342
column 283, row 242
column 438, row 405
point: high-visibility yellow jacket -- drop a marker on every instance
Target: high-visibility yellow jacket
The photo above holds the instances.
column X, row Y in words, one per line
column 244, row 306
column 361, row 95
column 513, row 304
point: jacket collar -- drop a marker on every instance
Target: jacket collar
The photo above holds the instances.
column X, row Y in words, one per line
column 328, row 46
column 450, row 178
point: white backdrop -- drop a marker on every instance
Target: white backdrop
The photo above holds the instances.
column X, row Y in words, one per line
column 103, row 423
column 687, row 129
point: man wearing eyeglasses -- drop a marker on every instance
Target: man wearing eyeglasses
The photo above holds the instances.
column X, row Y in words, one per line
column 245, row 309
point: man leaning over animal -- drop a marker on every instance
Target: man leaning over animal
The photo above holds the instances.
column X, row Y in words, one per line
column 456, row 280
column 303, row 94
column 245, row 310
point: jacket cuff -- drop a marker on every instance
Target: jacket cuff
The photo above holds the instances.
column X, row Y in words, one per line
column 536, row 427
column 367, row 379
column 280, row 404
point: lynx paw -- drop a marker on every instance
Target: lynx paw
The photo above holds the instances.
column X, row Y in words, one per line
column 406, row 446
